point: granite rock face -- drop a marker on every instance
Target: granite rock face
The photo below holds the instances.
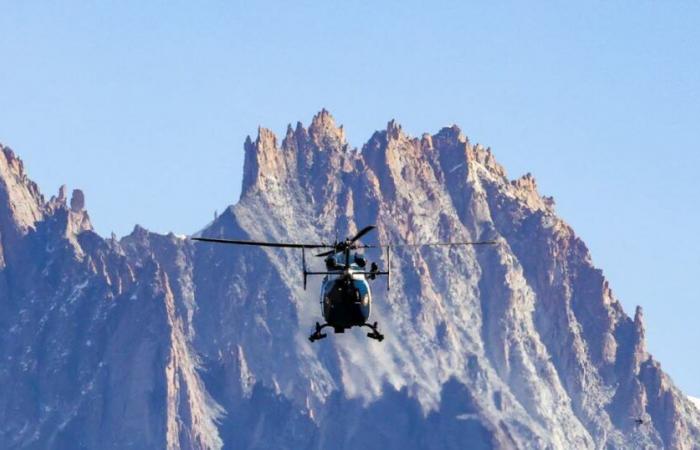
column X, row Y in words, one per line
column 151, row 341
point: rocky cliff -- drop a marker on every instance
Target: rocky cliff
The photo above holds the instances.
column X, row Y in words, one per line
column 153, row 342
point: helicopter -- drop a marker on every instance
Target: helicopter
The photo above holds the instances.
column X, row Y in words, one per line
column 346, row 298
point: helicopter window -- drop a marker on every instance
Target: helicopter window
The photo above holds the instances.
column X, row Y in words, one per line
column 331, row 263
column 360, row 288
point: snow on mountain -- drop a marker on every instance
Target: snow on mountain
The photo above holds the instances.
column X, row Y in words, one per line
column 695, row 400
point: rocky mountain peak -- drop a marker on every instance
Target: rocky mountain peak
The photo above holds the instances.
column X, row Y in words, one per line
column 393, row 130
column 20, row 199
column 263, row 162
column 452, row 134
column 289, row 135
column 21, row 204
column 62, row 194
column 321, row 149
column 325, row 133
column 426, row 141
column 77, row 201
column 76, row 216
column 79, row 218
column 266, row 139
column 639, row 320
column 526, row 189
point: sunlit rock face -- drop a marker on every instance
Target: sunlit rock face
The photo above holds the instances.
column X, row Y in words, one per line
column 152, row 341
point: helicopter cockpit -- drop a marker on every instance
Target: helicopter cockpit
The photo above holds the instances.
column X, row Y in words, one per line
column 337, row 262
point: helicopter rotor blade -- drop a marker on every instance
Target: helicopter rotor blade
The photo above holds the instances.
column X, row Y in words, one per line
column 348, row 244
column 429, row 244
column 260, row 243
column 362, row 232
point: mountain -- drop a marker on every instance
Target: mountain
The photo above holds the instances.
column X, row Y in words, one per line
column 151, row 341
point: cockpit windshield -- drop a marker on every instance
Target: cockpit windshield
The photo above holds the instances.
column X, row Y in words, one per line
column 337, row 261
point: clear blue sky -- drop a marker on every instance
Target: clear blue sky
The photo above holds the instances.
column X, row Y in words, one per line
column 146, row 106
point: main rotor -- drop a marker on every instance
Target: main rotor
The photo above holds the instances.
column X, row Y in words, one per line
column 344, row 246
column 349, row 243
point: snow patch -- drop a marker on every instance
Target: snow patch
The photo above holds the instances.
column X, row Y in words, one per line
column 77, row 291
column 695, row 401
column 456, row 167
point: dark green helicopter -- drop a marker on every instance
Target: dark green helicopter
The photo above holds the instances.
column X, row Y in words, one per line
column 346, row 298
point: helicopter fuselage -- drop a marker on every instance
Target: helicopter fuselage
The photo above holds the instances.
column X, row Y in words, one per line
column 346, row 299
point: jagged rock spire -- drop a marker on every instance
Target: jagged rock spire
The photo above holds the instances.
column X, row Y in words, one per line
column 321, row 147
column 21, row 204
column 77, row 201
column 20, row 200
column 324, row 132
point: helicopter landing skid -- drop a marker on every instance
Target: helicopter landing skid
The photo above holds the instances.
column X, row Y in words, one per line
column 374, row 334
column 317, row 335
